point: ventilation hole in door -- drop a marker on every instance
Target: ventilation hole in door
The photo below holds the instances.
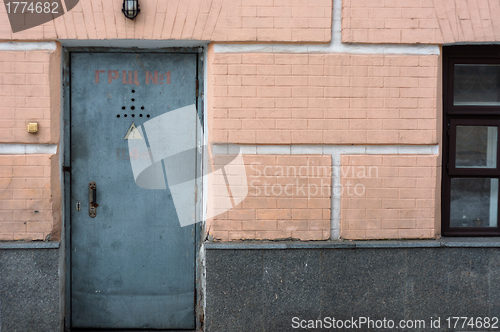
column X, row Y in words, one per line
column 132, row 108
column 147, row 115
column 133, row 115
column 125, row 115
column 133, row 99
column 133, row 91
column 118, row 116
column 123, row 107
column 140, row 115
column 142, row 107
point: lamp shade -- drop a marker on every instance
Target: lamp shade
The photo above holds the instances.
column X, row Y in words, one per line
column 130, row 8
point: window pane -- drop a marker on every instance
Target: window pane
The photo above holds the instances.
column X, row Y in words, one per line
column 477, row 85
column 476, row 147
column 474, row 202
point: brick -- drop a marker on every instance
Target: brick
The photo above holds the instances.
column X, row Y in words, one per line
column 242, row 91
column 258, row 124
column 279, row 92
column 382, row 214
column 259, row 203
column 241, row 235
column 242, row 214
column 6, row 216
column 258, row 58
column 365, row 224
column 27, row 67
column 291, row 59
column 260, row 225
column 415, row 234
column 226, row 124
column 23, row 171
column 13, row 227
column 306, row 213
column 399, row 224
column 293, row 225
column 416, row 213
column 39, row 227
column 225, row 80
column 274, row 214
column 382, row 193
column 382, row 234
column 242, row 69
column 257, row 81
column 220, row 235
column 226, row 225
column 272, row 235
column 296, row 203
column 291, row 124
column 307, row 136
column 273, row 136
column 264, row 11
column 353, row 234
column 308, row 235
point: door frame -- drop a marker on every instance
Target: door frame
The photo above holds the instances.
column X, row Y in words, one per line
column 65, row 271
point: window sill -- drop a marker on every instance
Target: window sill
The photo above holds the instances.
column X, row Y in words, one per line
column 29, row 245
column 464, row 242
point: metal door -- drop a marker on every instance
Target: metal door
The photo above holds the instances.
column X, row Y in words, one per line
column 132, row 264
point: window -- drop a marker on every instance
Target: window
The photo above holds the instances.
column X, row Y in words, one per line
column 471, row 125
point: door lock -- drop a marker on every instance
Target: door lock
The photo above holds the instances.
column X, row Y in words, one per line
column 92, row 199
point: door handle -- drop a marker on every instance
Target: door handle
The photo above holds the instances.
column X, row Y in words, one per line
column 92, row 199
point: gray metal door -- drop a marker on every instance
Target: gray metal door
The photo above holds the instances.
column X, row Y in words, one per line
column 132, row 264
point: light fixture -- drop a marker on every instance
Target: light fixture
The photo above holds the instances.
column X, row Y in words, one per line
column 33, row 127
column 131, row 8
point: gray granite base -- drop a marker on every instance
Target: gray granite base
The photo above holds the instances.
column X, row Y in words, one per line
column 252, row 289
column 29, row 290
column 262, row 286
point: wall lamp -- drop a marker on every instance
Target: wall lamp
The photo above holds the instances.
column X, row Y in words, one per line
column 131, row 8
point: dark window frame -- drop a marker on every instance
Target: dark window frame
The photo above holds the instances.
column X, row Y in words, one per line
column 470, row 172
column 454, row 115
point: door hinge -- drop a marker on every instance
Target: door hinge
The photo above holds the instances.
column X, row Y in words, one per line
column 66, row 168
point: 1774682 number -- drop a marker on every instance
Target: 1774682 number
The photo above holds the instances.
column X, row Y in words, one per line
column 32, row 7
column 472, row 322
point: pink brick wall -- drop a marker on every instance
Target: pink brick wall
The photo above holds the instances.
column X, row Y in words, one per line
column 363, row 21
column 216, row 20
column 30, row 92
column 425, row 21
column 30, row 198
column 323, row 99
column 388, row 197
column 289, row 197
column 27, row 197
